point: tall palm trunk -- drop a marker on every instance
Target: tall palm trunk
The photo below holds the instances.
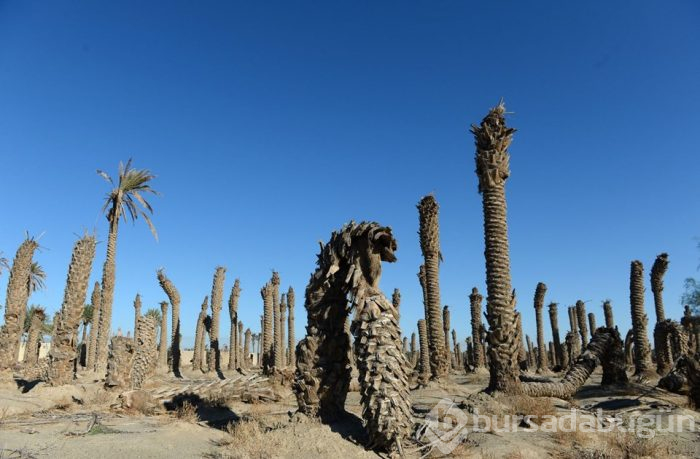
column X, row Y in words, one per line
column 246, row 349
column 290, row 332
column 663, row 363
column 581, row 321
column 413, row 349
column 163, row 345
column 531, row 358
column 268, row 317
column 607, row 310
column 542, row 364
column 276, row 335
column 424, row 362
column 455, row 346
column 199, row 335
column 109, row 272
column 240, row 340
column 217, row 298
column 592, row 323
column 137, row 315
column 16, row 303
column 477, row 346
column 554, row 321
column 283, row 325
column 642, row 353
column 95, row 299
column 174, row 297
column 63, row 353
column 233, row 362
column 492, row 140
column 430, row 246
column 396, row 302
column 446, row 331
column 31, row 354
column 522, row 353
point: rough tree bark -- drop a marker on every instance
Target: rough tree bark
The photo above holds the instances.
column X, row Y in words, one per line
column 291, row 345
column 233, row 343
column 642, row 351
column 607, row 310
column 477, row 346
column 198, row 336
column 542, row 364
column 92, row 345
column 34, row 335
column 174, row 297
column 554, row 321
column 217, row 302
column 163, row 345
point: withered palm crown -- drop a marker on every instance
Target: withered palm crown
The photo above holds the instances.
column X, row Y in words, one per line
column 658, row 270
column 492, row 139
column 429, row 231
column 124, row 201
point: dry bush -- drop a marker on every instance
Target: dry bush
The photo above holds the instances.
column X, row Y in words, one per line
column 631, row 445
column 534, row 407
column 187, row 412
column 63, row 404
column 245, row 440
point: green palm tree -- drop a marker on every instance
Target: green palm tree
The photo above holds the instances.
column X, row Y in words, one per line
column 88, row 311
column 156, row 314
column 125, row 201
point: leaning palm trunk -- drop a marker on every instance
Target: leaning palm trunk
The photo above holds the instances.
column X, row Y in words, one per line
column 554, row 321
column 92, row 345
column 542, row 365
column 492, row 140
column 31, row 354
column 663, row 362
column 581, row 321
column 174, row 297
column 63, row 353
column 199, row 334
column 642, row 353
column 430, row 246
column 291, row 346
column 217, row 298
column 477, row 347
column 233, row 362
column 605, row 348
column 16, row 303
column 673, row 343
column 607, row 310
column 163, row 345
column 109, row 272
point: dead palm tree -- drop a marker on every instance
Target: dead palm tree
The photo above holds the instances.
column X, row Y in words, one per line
column 16, row 303
column 581, row 321
column 663, row 360
column 477, row 346
column 429, row 231
column 174, row 297
column 233, row 344
column 492, row 139
column 95, row 302
column 290, row 325
column 137, row 315
column 217, row 298
column 163, row 344
column 37, row 320
column 199, row 336
column 396, row 302
column 125, row 201
column 554, row 322
column 607, row 311
column 542, row 365
column 36, row 282
column 642, row 353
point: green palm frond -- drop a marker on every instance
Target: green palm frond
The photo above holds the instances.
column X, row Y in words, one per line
column 88, row 311
column 30, row 313
column 37, row 276
column 126, row 198
column 155, row 313
column 4, row 263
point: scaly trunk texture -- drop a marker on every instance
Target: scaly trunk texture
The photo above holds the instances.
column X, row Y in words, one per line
column 121, row 355
column 240, row 340
column 144, row 362
column 581, row 321
column 657, row 284
column 268, row 317
column 137, row 315
column 206, row 359
column 291, row 346
column 92, row 346
column 477, row 347
column 217, row 302
column 554, row 321
column 16, row 303
column 199, row 334
column 446, row 325
column 530, row 359
column 573, row 346
column 429, row 231
column 629, row 346
column 672, row 341
column 470, row 353
column 246, row 350
column 109, row 273
column 607, row 310
column 414, row 350
column 605, row 348
column 276, row 325
column 542, row 364
column 492, row 139
column 424, row 362
column 64, row 351
column 522, row 354
column 31, row 354
column 642, row 352
column 592, row 323
column 455, row 346
column 163, row 345
column 552, row 356
column 396, row 301
column 174, row 297
column 283, row 325
column 233, row 344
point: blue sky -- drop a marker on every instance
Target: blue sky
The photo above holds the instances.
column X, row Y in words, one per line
column 270, row 124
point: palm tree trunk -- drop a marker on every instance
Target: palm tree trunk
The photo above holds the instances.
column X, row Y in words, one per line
column 31, row 354
column 268, row 317
column 63, row 353
column 137, row 315
column 642, row 352
column 554, row 321
column 246, row 349
column 276, row 357
column 542, row 364
column 658, row 270
column 424, row 363
column 414, row 353
column 456, row 358
column 233, row 362
column 217, row 298
column 163, row 345
column 174, row 297
column 531, row 358
column 446, row 331
column 16, row 303
column 592, row 323
column 522, row 354
column 607, row 310
column 493, row 138
column 95, row 299
column 290, row 334
column 477, row 346
column 430, row 246
column 581, row 321
column 283, row 326
column 396, row 302
column 199, row 335
column 109, row 272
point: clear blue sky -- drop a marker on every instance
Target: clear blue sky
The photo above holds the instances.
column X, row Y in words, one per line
column 271, row 124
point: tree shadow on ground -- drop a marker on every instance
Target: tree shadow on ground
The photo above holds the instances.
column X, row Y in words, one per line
column 215, row 415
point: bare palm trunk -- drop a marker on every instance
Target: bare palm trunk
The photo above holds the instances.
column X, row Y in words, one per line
column 246, row 350
column 554, row 321
column 396, row 302
column 542, row 364
column 163, row 345
column 430, row 246
column 446, row 331
column 492, row 140
column 283, row 326
column 233, row 362
column 592, row 324
column 276, row 335
column 607, row 310
column 522, row 354
column 64, row 352
column 642, row 353
column 137, row 315
column 174, row 297
column 217, row 298
column 414, row 353
column 581, row 321
column 95, row 299
column 477, row 346
column 199, row 336
column 31, row 354
column 424, row 363
column 663, row 363
column 268, row 317
column 108, row 280
column 16, row 303
column 290, row 334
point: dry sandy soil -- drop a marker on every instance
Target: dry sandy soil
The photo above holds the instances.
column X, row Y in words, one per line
column 86, row 421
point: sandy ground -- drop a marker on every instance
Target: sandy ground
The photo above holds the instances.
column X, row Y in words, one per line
column 82, row 421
